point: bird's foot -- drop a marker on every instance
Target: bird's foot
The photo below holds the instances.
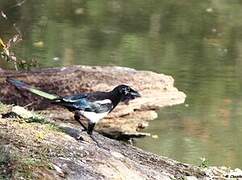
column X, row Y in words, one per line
column 83, row 130
column 95, row 141
column 80, row 138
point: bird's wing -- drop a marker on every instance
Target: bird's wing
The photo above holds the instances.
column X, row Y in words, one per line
column 74, row 102
column 86, row 102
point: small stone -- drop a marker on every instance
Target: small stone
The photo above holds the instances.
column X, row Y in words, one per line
column 117, row 155
column 190, row 178
column 59, row 170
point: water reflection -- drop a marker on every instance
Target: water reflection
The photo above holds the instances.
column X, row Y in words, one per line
column 198, row 43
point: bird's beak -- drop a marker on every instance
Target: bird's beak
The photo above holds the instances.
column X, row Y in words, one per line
column 132, row 95
column 135, row 94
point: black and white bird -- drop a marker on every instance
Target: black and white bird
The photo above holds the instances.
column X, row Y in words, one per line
column 92, row 106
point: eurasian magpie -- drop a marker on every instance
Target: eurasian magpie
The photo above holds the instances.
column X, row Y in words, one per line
column 92, row 106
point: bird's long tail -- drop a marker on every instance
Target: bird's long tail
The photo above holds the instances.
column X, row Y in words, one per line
column 23, row 86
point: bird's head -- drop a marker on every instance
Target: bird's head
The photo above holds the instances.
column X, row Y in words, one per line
column 126, row 93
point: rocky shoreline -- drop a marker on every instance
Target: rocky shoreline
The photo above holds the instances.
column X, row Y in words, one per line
column 43, row 144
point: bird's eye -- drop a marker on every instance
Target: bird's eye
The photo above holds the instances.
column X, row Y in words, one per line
column 127, row 89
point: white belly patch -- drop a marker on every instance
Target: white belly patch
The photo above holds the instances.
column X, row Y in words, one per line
column 92, row 116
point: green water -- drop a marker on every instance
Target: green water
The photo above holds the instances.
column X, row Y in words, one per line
column 199, row 43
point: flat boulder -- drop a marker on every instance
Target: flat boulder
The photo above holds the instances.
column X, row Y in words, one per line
column 157, row 91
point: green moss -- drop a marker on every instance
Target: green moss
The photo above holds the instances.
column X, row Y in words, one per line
column 6, row 163
column 29, row 151
column 28, row 165
column 17, row 163
column 31, row 161
column 34, row 118
column 53, row 127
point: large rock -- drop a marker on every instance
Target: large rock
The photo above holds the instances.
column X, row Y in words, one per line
column 157, row 91
column 47, row 151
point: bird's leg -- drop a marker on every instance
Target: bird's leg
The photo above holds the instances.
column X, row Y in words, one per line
column 77, row 118
column 90, row 130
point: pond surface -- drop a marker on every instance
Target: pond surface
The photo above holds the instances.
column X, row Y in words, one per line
column 199, row 43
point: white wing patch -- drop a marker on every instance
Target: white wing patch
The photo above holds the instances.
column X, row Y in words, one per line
column 92, row 116
column 71, row 100
column 105, row 101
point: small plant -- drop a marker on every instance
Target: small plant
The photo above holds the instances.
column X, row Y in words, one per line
column 203, row 163
column 9, row 56
column 5, row 52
